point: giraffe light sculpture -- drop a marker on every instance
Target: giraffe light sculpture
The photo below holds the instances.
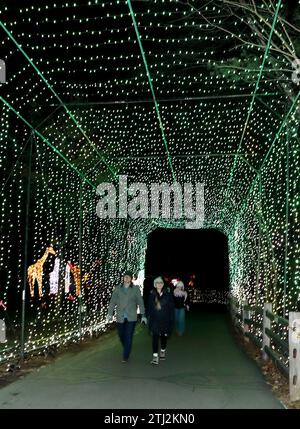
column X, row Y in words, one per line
column 35, row 272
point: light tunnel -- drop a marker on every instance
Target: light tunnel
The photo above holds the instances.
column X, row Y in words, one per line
column 160, row 93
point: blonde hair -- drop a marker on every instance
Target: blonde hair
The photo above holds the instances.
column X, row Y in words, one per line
column 179, row 284
column 158, row 280
column 179, row 290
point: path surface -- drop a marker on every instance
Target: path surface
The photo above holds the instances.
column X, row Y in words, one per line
column 204, row 369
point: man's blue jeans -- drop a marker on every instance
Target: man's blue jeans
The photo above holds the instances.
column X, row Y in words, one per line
column 126, row 331
column 180, row 320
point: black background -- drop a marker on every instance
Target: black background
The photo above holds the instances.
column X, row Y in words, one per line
column 179, row 253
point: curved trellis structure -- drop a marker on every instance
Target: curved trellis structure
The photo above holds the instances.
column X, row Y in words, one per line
column 158, row 91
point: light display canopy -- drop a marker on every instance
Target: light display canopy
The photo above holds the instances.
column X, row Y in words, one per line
column 160, row 91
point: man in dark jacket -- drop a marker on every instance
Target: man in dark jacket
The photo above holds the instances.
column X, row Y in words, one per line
column 126, row 297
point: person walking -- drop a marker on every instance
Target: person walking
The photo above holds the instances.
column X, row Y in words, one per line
column 181, row 302
column 160, row 314
column 126, row 298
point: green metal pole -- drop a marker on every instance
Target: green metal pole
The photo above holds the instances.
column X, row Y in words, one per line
column 26, row 250
column 81, row 175
column 259, row 242
column 265, row 231
column 287, row 207
column 150, row 80
column 283, row 124
column 266, row 53
column 80, row 257
column 61, row 103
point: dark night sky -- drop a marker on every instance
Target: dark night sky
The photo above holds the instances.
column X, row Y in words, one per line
column 180, row 253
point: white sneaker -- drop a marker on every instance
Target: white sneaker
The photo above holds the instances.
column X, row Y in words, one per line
column 155, row 360
column 162, row 355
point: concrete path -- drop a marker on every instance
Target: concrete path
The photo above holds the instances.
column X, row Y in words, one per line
column 204, row 369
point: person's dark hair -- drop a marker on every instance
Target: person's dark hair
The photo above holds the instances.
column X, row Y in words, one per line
column 128, row 273
column 164, row 289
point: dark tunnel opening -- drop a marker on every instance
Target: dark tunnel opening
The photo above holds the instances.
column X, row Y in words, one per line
column 199, row 258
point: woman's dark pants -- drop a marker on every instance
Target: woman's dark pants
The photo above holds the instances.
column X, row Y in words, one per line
column 155, row 342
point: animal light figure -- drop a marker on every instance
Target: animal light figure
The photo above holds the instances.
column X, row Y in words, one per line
column 35, row 272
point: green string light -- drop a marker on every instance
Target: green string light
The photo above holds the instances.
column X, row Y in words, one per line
column 254, row 95
column 59, row 99
column 82, row 176
column 200, row 78
column 152, row 89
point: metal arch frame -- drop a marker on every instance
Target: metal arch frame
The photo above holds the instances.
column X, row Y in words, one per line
column 253, row 97
column 151, row 87
column 283, row 124
column 61, row 103
column 45, row 140
column 258, row 177
column 167, row 100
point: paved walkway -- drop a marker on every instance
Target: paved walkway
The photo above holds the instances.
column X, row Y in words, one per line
column 204, row 369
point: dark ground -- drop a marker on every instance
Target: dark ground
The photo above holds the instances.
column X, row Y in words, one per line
column 205, row 368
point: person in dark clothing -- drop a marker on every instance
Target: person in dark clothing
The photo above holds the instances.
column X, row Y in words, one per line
column 181, row 302
column 148, row 286
column 160, row 315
